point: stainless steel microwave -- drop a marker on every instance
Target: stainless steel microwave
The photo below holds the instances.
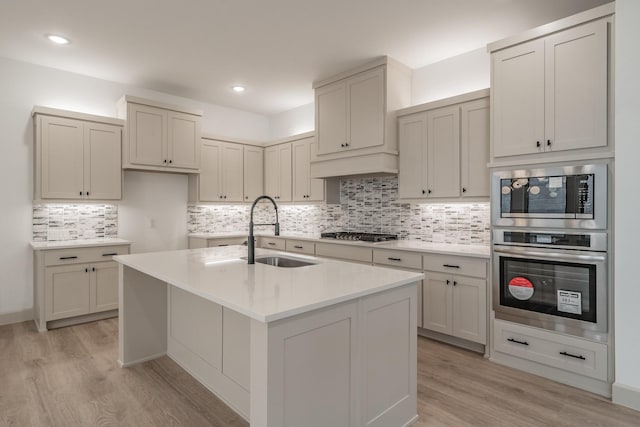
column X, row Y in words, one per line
column 555, row 197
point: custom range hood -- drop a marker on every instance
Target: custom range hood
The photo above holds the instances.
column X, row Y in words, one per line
column 356, row 129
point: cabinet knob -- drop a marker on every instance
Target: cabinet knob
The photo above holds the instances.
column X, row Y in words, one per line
column 342, row 145
column 87, row 193
column 81, row 193
column 429, row 191
column 346, row 145
column 548, row 143
column 423, row 192
column 455, row 283
column 170, row 161
column 246, row 197
column 448, row 282
column 225, row 197
column 165, row 160
column 537, row 143
column 464, row 190
column 93, row 269
column 86, row 270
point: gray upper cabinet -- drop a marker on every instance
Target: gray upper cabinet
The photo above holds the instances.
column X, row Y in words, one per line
column 160, row 137
column 77, row 156
column 444, row 148
column 550, row 94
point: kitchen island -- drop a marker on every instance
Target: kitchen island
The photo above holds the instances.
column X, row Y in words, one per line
column 328, row 343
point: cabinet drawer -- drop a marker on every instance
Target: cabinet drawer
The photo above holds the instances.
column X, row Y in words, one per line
column 227, row 241
column 272, row 243
column 456, row 265
column 301, row 246
column 571, row 354
column 397, row 259
column 82, row 255
column 344, row 252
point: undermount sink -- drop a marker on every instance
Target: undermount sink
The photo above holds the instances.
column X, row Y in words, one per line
column 286, row 262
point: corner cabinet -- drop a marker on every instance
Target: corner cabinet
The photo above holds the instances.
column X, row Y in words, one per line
column 75, row 285
column 355, row 119
column 550, row 94
column 229, row 172
column 77, row 156
column 444, row 148
column 160, row 137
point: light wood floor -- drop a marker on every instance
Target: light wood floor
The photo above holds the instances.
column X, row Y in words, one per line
column 69, row 377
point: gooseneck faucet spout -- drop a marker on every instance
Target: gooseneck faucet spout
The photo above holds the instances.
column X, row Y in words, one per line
column 251, row 242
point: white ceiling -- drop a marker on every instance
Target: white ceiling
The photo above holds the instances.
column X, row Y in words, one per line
column 200, row 48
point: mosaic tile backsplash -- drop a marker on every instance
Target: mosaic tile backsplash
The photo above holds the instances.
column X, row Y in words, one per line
column 366, row 205
column 74, row 222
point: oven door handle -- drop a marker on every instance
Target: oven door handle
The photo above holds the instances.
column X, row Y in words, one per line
column 528, row 252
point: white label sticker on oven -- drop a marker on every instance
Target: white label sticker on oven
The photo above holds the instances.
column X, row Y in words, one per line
column 570, row 302
column 555, row 182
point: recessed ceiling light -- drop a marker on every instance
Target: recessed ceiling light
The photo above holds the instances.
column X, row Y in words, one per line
column 57, row 39
column 238, row 88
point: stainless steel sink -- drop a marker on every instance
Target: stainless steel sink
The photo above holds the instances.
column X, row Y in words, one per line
column 285, row 262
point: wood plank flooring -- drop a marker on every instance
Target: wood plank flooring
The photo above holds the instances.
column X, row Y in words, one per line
column 69, row 377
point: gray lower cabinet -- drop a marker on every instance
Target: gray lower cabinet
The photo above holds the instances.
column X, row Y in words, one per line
column 455, row 297
column 75, row 285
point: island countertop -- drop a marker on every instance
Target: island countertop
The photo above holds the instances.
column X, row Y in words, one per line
column 263, row 292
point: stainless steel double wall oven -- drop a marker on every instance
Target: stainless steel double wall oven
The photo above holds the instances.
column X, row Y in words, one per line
column 550, row 263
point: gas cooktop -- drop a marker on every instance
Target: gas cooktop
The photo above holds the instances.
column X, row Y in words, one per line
column 365, row 237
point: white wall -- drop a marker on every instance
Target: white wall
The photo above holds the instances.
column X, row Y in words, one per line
column 627, row 204
column 453, row 76
column 147, row 196
column 293, row 122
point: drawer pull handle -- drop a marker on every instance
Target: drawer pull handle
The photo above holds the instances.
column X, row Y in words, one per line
column 271, row 243
column 517, row 342
column 564, row 353
column 298, row 247
column 450, row 266
column 223, row 244
column 394, row 259
column 110, row 254
column 68, row 257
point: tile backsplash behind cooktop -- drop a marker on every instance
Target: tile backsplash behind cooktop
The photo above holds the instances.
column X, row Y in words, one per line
column 366, row 205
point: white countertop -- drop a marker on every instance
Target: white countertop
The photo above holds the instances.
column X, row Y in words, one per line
column 81, row 243
column 264, row 292
column 479, row 251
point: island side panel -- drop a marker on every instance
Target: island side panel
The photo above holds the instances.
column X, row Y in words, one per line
column 304, row 370
column 389, row 395
column 143, row 317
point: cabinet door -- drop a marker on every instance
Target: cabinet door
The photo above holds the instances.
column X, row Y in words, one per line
column 518, row 99
column 413, row 156
column 365, row 100
column 62, row 159
column 272, row 171
column 210, row 176
column 66, row 291
column 285, row 157
column 576, row 88
column 474, row 148
column 436, row 302
column 183, row 140
column 147, row 135
column 301, row 164
column 443, row 152
column 102, row 161
column 331, row 117
column 253, row 172
column 469, row 309
column 232, row 172
column 316, row 186
column 103, row 287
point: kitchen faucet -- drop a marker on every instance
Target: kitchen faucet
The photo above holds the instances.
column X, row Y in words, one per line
column 251, row 244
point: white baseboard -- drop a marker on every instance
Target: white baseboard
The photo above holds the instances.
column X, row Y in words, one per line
column 16, row 317
column 626, row 396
